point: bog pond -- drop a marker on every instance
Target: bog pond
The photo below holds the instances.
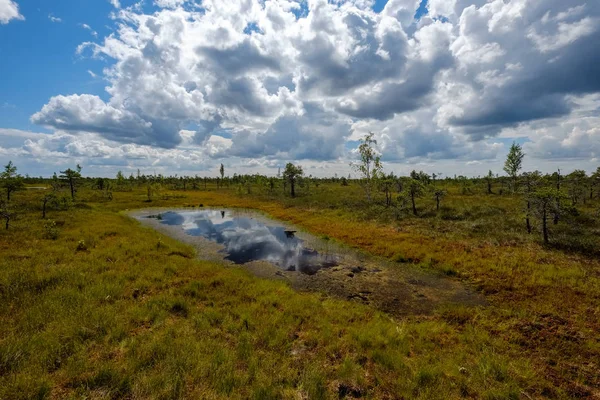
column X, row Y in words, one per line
column 247, row 239
column 276, row 250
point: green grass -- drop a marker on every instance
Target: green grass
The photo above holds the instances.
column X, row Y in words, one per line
column 132, row 314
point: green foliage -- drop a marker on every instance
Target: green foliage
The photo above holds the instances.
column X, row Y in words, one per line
column 514, row 163
column 415, row 187
column 545, row 201
column 291, row 175
column 152, row 191
column 71, row 177
column 577, row 186
column 369, row 168
column 386, row 185
column 10, row 180
column 81, row 245
column 51, row 230
column 438, row 195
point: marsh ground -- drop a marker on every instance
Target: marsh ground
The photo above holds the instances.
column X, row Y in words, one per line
column 98, row 306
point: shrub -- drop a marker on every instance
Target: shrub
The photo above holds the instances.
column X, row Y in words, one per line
column 81, row 246
column 51, row 230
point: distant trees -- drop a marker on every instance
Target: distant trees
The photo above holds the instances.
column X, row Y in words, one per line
column 291, row 174
column 71, row 177
column 369, row 167
column 10, row 180
column 513, row 163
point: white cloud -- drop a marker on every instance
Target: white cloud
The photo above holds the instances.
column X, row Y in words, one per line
column 9, row 10
column 115, row 3
column 284, row 80
column 54, row 19
column 89, row 28
column 567, row 33
column 169, row 3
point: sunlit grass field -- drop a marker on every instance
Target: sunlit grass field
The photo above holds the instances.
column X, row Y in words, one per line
column 93, row 305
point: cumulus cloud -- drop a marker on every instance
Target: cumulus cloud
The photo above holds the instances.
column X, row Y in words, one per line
column 89, row 28
column 90, row 114
column 522, row 80
column 54, row 18
column 280, row 80
column 9, row 10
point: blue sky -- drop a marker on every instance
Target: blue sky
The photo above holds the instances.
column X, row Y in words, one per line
column 183, row 85
column 42, row 56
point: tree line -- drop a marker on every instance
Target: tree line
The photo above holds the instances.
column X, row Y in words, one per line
column 548, row 198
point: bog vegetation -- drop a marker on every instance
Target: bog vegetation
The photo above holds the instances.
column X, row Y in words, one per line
column 92, row 305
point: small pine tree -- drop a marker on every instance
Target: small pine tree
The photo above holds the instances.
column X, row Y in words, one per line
column 291, row 174
column 71, row 177
column 10, row 180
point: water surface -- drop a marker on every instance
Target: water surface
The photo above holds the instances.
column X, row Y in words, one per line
column 248, row 239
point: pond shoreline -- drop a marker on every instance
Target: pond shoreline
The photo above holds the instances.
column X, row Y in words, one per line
column 357, row 277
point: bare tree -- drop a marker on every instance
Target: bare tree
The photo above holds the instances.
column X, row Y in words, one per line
column 6, row 213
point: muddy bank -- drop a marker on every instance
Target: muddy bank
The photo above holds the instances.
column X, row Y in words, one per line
column 276, row 250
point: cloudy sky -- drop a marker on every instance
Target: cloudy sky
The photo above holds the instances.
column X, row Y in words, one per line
column 180, row 86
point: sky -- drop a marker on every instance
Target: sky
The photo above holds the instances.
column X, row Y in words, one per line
column 181, row 86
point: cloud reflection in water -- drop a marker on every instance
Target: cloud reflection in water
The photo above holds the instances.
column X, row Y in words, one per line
column 246, row 239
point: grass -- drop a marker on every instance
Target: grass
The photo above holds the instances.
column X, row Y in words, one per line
column 96, row 306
